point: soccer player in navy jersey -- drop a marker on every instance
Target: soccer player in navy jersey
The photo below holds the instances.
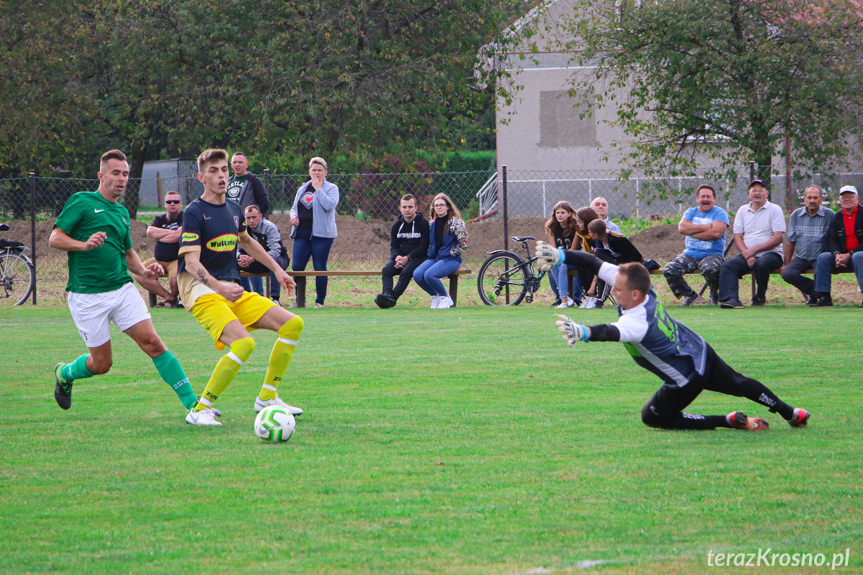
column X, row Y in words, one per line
column 680, row 357
column 209, row 281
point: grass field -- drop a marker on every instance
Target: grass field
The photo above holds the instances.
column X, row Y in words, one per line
column 465, row 441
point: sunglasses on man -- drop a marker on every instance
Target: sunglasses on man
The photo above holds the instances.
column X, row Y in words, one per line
column 172, row 201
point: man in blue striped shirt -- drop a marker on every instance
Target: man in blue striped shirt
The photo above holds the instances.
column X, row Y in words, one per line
column 806, row 234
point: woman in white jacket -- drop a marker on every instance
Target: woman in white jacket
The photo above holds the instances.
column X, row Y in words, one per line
column 313, row 217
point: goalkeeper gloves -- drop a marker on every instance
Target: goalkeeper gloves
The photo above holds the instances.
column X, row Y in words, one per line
column 572, row 332
column 548, row 256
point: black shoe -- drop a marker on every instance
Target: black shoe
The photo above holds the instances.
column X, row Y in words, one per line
column 385, row 301
column 822, row 300
column 62, row 389
column 811, row 298
column 758, row 302
column 731, row 304
column 556, row 302
column 689, row 300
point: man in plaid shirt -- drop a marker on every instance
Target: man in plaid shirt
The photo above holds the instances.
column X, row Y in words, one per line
column 807, row 235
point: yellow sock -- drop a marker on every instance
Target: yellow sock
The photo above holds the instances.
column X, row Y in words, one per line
column 225, row 371
column 280, row 357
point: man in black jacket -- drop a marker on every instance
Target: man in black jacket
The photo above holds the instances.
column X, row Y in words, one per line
column 409, row 242
column 845, row 242
column 245, row 188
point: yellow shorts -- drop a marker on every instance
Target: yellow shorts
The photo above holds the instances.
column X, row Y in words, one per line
column 214, row 312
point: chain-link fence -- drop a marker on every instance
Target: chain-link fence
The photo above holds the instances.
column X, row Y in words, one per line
column 30, row 205
column 534, row 193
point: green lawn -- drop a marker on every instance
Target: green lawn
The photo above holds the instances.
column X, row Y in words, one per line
column 469, row 440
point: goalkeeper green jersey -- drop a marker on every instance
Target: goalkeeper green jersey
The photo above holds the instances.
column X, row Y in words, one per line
column 101, row 269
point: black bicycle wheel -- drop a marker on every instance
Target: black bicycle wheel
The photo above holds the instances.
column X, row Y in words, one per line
column 17, row 278
column 502, row 279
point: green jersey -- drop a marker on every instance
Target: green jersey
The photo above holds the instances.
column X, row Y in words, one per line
column 101, row 269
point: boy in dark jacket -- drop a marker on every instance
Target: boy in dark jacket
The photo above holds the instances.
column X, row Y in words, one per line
column 409, row 242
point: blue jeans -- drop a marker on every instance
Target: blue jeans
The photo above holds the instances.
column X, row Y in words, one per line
column 824, row 265
column 559, row 278
column 319, row 250
column 253, row 284
column 256, row 284
column 428, row 274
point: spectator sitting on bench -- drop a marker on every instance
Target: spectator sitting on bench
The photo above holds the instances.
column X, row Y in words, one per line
column 807, row 235
column 447, row 240
column 759, row 227
column 409, row 242
column 704, row 247
column 612, row 248
column 600, row 206
column 267, row 234
column 845, row 242
column 560, row 228
column 165, row 230
column 583, row 242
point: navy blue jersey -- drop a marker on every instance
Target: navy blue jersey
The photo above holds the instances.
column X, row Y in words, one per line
column 214, row 231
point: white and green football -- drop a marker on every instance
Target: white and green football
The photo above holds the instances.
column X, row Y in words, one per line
column 275, row 424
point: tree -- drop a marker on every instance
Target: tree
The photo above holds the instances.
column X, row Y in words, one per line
column 726, row 79
column 280, row 80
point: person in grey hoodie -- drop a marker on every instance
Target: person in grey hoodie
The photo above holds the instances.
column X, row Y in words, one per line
column 313, row 217
column 409, row 242
column 267, row 234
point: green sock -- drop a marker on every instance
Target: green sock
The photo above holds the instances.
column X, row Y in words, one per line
column 76, row 370
column 172, row 372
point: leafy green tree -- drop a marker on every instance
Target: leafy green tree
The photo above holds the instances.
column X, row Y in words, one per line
column 279, row 80
column 726, row 80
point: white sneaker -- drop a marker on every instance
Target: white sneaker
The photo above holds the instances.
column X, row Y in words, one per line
column 566, row 303
column 203, row 417
column 588, row 303
column 261, row 404
column 445, row 302
column 435, row 301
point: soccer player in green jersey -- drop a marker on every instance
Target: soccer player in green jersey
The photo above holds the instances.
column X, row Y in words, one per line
column 94, row 229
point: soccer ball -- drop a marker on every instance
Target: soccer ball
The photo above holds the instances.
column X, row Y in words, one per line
column 274, row 424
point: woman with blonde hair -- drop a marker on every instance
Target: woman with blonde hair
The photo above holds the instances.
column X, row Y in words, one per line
column 313, row 217
column 447, row 239
column 561, row 228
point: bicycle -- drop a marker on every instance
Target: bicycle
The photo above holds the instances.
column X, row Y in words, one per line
column 17, row 273
column 506, row 278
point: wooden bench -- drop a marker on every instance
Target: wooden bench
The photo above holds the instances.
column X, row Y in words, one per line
column 300, row 278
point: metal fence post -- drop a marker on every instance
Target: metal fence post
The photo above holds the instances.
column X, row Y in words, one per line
column 33, row 228
column 267, row 188
column 505, row 211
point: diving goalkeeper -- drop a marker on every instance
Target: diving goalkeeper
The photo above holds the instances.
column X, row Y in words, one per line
column 680, row 357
